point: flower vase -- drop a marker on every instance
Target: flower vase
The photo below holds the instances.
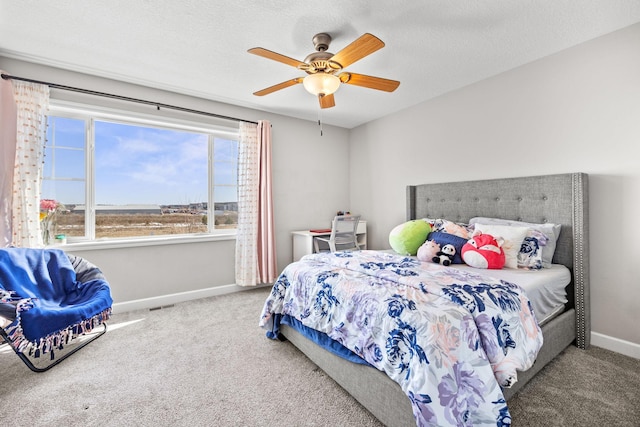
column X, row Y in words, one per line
column 47, row 232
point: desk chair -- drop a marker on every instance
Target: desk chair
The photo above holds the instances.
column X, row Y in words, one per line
column 343, row 234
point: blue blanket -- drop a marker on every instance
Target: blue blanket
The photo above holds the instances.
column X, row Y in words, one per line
column 51, row 304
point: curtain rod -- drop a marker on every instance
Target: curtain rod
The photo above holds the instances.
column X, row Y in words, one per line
column 158, row 105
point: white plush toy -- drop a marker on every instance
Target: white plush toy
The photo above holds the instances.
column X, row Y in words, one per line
column 428, row 251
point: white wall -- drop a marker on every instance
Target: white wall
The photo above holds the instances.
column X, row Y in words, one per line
column 308, row 190
column 576, row 111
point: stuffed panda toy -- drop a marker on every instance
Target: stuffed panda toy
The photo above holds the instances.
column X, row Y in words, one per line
column 445, row 255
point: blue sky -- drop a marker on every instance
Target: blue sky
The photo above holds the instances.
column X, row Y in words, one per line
column 137, row 165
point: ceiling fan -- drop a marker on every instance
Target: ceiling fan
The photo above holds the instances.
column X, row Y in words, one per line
column 324, row 69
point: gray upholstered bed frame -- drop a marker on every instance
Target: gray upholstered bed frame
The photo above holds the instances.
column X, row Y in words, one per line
column 561, row 198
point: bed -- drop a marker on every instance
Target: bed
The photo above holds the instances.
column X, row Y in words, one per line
column 560, row 199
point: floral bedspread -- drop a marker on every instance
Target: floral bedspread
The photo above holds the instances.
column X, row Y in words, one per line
column 450, row 338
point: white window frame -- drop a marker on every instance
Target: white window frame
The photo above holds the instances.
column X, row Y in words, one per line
column 90, row 113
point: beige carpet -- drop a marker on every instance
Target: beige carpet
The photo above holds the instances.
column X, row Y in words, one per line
column 206, row 363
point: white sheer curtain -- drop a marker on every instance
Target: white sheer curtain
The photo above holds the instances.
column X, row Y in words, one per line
column 32, row 102
column 255, row 242
column 8, row 120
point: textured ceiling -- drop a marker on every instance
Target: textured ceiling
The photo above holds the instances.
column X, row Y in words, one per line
column 199, row 47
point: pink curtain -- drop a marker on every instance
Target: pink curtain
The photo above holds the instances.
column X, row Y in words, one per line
column 8, row 138
column 255, row 242
column 267, row 262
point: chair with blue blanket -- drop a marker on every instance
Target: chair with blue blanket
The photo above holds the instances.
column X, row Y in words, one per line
column 50, row 302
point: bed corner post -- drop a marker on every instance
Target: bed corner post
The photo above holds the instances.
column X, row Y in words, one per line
column 581, row 259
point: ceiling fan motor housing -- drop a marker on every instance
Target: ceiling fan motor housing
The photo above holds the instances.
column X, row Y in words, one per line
column 319, row 61
column 321, row 41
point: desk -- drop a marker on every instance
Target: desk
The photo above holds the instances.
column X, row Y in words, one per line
column 303, row 240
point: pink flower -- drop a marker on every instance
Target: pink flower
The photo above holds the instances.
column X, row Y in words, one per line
column 48, row 205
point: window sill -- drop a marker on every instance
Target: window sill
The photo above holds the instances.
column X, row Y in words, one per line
column 144, row 241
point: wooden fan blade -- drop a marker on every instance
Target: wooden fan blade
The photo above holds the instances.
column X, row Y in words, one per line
column 358, row 49
column 265, row 53
column 369, row 81
column 278, row 86
column 327, row 101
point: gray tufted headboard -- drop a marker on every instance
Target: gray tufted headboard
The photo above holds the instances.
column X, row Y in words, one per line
column 560, row 199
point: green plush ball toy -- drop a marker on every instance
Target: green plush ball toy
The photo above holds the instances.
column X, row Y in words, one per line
column 406, row 238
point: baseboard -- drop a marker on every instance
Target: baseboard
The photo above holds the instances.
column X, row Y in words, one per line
column 164, row 300
column 615, row 344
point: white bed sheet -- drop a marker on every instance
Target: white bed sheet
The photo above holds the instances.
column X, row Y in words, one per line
column 545, row 288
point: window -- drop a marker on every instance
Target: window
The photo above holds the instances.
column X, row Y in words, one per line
column 128, row 176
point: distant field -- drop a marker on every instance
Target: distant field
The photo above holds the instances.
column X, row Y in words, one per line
column 138, row 225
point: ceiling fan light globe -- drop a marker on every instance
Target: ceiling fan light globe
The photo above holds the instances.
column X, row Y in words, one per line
column 321, row 84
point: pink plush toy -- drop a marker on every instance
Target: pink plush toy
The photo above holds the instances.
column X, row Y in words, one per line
column 428, row 250
column 484, row 251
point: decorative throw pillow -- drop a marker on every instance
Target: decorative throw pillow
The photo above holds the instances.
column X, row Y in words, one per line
column 550, row 230
column 446, row 226
column 513, row 238
column 406, row 238
column 443, row 239
column 530, row 255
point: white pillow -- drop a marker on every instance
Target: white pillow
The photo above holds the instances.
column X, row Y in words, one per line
column 513, row 237
column 552, row 231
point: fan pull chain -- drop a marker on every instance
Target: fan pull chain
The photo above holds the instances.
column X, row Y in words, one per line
column 320, row 121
